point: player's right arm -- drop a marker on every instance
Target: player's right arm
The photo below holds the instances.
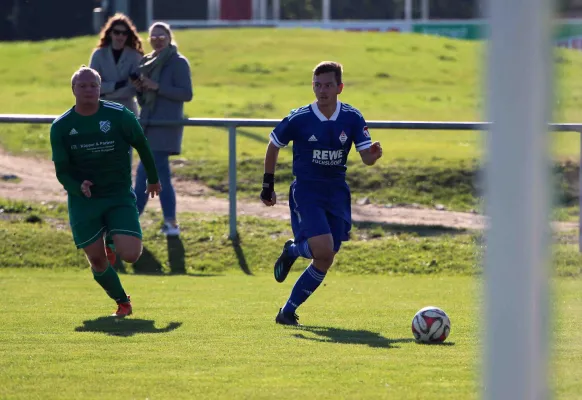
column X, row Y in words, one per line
column 268, row 195
column 62, row 162
column 280, row 137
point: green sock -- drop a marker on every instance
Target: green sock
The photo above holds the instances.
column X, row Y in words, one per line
column 109, row 281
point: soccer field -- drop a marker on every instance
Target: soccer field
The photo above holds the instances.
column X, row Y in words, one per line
column 204, row 307
column 210, row 333
column 214, row 337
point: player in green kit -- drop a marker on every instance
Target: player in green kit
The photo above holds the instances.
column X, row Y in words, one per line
column 91, row 145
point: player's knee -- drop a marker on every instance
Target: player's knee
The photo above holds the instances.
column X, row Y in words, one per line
column 324, row 254
column 130, row 255
column 98, row 262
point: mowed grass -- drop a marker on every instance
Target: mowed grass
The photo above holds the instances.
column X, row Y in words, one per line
column 38, row 236
column 214, row 337
column 263, row 73
column 208, row 331
column 30, row 238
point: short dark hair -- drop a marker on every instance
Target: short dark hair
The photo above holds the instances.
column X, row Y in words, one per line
column 329, row 66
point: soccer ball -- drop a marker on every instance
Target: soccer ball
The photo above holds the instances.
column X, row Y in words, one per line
column 431, row 325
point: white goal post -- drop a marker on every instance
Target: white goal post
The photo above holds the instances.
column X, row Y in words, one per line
column 517, row 194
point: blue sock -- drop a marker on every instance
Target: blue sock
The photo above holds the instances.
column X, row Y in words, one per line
column 300, row 249
column 309, row 280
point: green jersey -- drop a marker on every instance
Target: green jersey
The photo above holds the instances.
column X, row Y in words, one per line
column 97, row 148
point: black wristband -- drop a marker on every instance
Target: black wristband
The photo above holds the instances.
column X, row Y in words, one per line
column 268, row 187
column 268, row 178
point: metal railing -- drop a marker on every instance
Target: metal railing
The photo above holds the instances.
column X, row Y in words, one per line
column 233, row 123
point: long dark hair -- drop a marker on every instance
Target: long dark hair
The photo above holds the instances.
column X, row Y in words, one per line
column 133, row 39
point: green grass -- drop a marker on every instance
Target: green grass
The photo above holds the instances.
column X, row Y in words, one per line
column 209, row 333
column 34, row 236
column 258, row 73
column 38, row 236
column 220, row 340
column 214, row 337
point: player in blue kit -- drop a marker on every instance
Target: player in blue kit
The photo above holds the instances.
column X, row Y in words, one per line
column 319, row 199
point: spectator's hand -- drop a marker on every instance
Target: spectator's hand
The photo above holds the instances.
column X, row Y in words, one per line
column 120, row 84
column 149, row 84
column 154, row 189
column 137, row 83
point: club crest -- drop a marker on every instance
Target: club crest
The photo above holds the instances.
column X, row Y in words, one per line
column 105, row 126
column 365, row 132
column 343, row 137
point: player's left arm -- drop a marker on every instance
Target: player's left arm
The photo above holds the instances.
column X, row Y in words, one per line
column 369, row 152
column 134, row 135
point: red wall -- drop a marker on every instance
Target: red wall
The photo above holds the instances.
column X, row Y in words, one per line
column 236, row 9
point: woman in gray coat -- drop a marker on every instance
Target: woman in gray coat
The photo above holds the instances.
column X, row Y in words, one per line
column 116, row 57
column 163, row 87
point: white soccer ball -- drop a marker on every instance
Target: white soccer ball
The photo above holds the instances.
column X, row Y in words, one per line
column 431, row 325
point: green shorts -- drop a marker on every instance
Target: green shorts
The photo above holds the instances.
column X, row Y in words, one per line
column 91, row 218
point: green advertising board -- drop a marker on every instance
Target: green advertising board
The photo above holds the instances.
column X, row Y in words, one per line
column 463, row 30
column 567, row 33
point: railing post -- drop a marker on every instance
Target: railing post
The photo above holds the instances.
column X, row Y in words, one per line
column 149, row 13
column 326, row 11
column 233, row 234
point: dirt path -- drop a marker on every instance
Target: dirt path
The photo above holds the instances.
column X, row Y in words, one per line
column 38, row 182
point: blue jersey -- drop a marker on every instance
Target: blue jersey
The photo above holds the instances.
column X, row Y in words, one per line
column 320, row 145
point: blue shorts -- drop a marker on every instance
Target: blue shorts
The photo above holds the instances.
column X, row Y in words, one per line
column 319, row 209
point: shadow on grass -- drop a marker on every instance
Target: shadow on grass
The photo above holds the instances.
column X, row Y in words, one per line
column 349, row 336
column 445, row 344
column 148, row 264
column 420, row 230
column 176, row 255
column 124, row 327
column 240, row 256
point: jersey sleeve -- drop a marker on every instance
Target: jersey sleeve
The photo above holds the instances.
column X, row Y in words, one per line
column 362, row 138
column 59, row 152
column 133, row 134
column 60, row 157
column 132, row 130
column 282, row 134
